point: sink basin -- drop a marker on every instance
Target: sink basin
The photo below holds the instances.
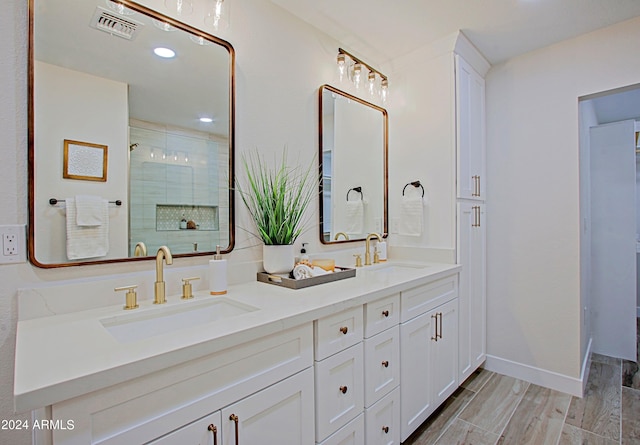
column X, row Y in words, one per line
column 131, row 327
column 392, row 268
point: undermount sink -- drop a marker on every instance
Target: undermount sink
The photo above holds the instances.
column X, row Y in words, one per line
column 131, row 327
column 390, row 268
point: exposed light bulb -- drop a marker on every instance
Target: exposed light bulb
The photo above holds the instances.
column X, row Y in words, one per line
column 357, row 71
column 384, row 90
column 179, row 7
column 217, row 14
column 341, row 65
column 372, row 82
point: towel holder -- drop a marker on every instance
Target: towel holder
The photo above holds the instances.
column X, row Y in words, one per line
column 416, row 184
column 54, row 201
column 356, row 189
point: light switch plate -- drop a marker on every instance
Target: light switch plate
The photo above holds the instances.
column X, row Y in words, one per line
column 13, row 243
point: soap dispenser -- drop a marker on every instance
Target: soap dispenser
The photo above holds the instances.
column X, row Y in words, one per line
column 217, row 274
column 303, row 254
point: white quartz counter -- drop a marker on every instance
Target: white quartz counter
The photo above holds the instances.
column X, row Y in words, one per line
column 63, row 356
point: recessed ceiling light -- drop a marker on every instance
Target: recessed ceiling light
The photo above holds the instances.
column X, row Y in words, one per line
column 164, row 53
column 206, row 120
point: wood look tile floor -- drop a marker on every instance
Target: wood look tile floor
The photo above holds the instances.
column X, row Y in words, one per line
column 490, row 409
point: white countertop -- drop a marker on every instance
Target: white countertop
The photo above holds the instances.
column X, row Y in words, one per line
column 63, row 356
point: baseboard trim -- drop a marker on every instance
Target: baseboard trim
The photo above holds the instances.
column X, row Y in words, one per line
column 586, row 366
column 538, row 376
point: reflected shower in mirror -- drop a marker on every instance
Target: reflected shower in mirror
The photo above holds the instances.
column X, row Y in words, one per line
column 353, row 137
column 146, row 104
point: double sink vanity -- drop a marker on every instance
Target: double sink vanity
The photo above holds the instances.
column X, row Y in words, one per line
column 362, row 360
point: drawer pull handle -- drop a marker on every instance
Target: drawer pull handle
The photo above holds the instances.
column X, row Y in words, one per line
column 435, row 338
column 385, row 363
column 344, row 330
column 385, row 429
column 343, row 389
column 235, row 419
column 214, row 431
column 385, row 313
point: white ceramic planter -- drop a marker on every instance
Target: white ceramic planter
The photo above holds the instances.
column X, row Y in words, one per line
column 278, row 258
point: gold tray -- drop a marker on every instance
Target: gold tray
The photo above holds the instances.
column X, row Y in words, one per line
column 340, row 273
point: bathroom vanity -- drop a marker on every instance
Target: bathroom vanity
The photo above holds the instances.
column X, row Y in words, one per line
column 365, row 359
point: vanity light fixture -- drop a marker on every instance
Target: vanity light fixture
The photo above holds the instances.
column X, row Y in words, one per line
column 165, row 53
column 352, row 66
column 179, row 7
column 217, row 14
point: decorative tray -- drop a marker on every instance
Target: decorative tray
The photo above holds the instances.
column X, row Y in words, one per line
column 340, row 273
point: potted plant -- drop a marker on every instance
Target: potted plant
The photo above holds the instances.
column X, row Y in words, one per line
column 277, row 198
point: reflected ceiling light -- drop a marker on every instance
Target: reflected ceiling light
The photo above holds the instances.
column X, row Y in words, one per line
column 352, row 66
column 179, row 7
column 165, row 53
column 206, row 120
column 217, row 15
column 200, row 40
column 119, row 7
column 164, row 25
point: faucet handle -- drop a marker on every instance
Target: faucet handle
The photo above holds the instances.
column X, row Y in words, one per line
column 358, row 259
column 376, row 255
column 187, row 291
column 131, row 299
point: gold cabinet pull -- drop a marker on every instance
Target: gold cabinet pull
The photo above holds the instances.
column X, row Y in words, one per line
column 344, row 330
column 385, row 313
column 214, row 431
column 435, row 337
column 479, row 193
column 343, row 389
column 385, row 363
column 235, row 419
column 440, row 316
column 385, row 429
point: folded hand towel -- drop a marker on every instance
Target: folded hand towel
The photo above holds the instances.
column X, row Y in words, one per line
column 86, row 241
column 411, row 216
column 301, row 271
column 355, row 216
column 90, row 210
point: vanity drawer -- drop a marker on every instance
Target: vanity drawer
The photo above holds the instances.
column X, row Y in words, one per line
column 350, row 434
column 337, row 332
column 382, row 420
column 339, row 390
column 381, row 364
column 381, row 314
column 421, row 299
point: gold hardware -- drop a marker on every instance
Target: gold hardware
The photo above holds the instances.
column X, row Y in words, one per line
column 367, row 250
column 140, row 250
column 358, row 260
column 385, row 429
column 344, row 330
column 440, row 316
column 131, row 299
column 476, row 185
column 376, row 255
column 214, row 431
column 436, row 327
column 476, row 216
column 343, row 389
column 187, row 290
column 385, row 363
column 479, row 192
column 385, row 313
column 235, row 419
column 163, row 254
column 339, row 234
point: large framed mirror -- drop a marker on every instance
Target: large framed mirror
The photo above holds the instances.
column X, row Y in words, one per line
column 353, row 154
column 131, row 134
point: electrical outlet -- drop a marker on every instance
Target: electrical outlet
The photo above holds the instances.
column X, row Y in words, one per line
column 13, row 244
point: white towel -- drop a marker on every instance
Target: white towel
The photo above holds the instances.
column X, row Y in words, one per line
column 86, row 241
column 302, row 271
column 90, row 210
column 354, row 213
column 411, row 215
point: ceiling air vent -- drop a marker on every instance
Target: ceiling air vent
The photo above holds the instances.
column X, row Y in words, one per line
column 115, row 24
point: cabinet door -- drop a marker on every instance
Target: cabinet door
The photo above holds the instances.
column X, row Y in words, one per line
column 444, row 370
column 381, row 364
column 382, row 420
column 350, row 434
column 415, row 364
column 206, row 431
column 339, row 390
column 470, row 131
column 281, row 413
column 472, row 299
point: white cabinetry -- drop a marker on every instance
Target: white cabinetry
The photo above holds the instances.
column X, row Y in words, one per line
column 205, row 431
column 428, row 350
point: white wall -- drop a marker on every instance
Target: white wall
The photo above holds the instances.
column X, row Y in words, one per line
column 533, row 238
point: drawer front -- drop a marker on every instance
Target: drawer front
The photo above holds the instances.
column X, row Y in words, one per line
column 382, row 421
column 339, row 390
column 350, row 434
column 419, row 300
column 381, row 364
column 381, row 314
column 206, row 431
column 338, row 332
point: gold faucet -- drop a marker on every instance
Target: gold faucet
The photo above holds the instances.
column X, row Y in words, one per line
column 160, row 295
column 367, row 251
column 335, row 238
column 140, row 250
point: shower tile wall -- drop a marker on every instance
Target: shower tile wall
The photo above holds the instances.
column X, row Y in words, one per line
column 170, row 172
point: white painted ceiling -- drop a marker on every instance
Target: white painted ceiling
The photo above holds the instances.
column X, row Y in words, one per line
column 380, row 30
